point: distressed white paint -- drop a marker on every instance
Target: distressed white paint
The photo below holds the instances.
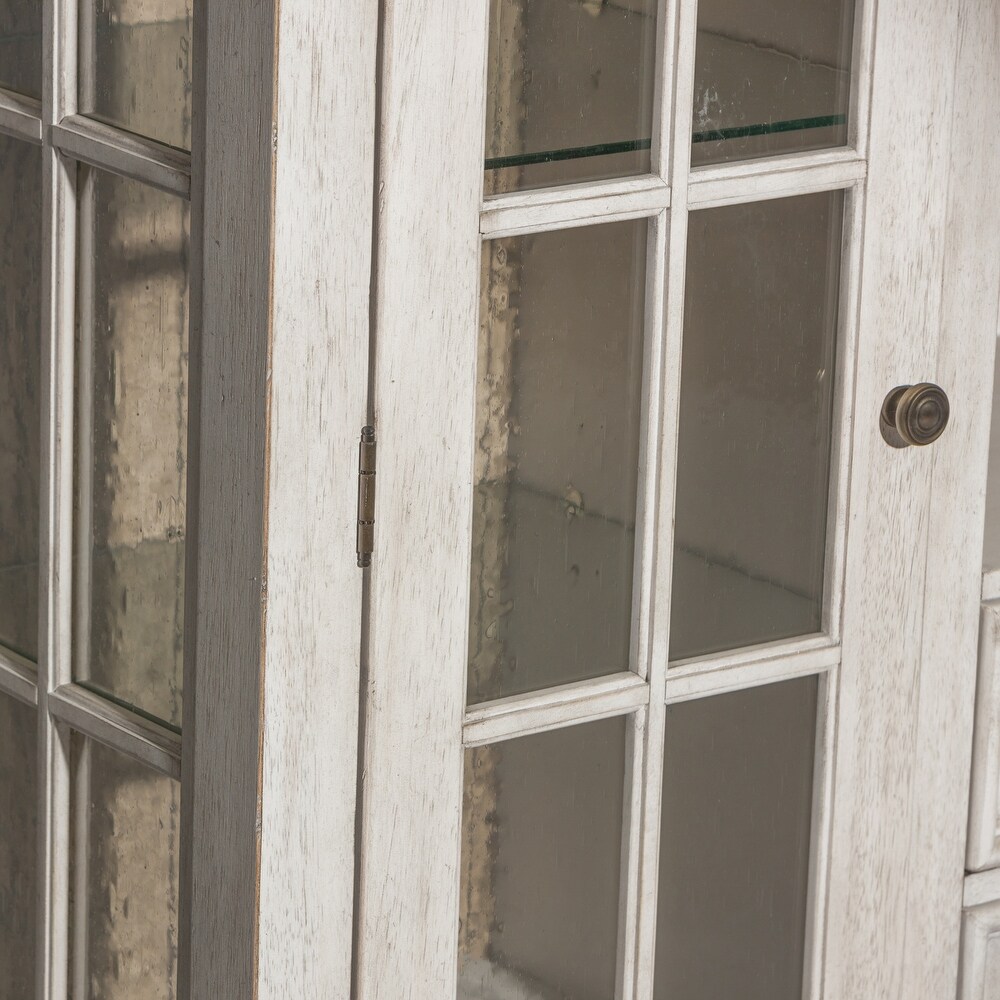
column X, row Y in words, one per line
column 573, row 205
column 876, row 946
column 775, row 177
column 907, row 669
column 280, row 302
column 425, row 321
column 141, row 739
column 980, row 975
column 20, row 116
column 983, row 849
column 524, row 714
column 129, row 155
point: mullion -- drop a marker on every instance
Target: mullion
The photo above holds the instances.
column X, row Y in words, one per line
column 639, row 985
column 55, row 619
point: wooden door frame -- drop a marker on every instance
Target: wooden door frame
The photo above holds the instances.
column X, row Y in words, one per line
column 923, row 230
column 282, row 180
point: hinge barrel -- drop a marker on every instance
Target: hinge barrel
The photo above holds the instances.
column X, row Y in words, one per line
column 366, row 497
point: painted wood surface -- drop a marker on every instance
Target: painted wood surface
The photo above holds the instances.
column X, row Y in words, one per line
column 983, row 849
column 907, row 680
column 980, row 975
column 322, row 217
column 425, row 318
column 281, row 286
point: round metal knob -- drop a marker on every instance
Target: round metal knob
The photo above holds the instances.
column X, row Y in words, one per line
column 914, row 415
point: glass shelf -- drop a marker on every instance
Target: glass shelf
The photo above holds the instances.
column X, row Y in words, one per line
column 634, row 145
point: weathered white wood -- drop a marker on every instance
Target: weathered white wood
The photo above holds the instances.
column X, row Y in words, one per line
column 633, row 813
column 981, row 887
column 842, row 424
column 141, row 739
column 59, row 23
column 746, row 656
column 647, row 526
column 17, row 677
column 318, row 378
column 750, row 670
column 991, row 540
column 20, row 116
column 123, row 153
column 980, row 973
column 426, row 318
column 824, row 775
column 637, row 965
column 907, row 670
column 573, row 205
column 862, row 62
column 983, row 850
column 775, row 177
column 282, row 203
column 524, row 714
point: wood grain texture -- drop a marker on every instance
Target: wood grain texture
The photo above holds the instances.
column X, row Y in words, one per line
column 280, row 328
column 231, row 314
column 323, row 202
column 426, row 319
column 907, row 670
column 980, row 975
column 983, row 849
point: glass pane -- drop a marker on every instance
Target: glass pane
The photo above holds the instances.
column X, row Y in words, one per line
column 541, row 862
column 20, row 391
column 569, row 91
column 771, row 77
column 735, row 845
column 21, row 47
column 125, row 877
column 18, row 811
column 756, row 409
column 135, row 66
column 133, row 328
column 557, row 442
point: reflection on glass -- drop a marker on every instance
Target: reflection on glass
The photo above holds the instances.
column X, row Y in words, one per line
column 569, row 91
column 557, row 442
column 135, row 66
column 20, row 391
column 771, row 77
column 735, row 844
column 540, row 868
column 131, row 469
column 21, row 48
column 125, row 877
column 18, row 842
column 756, row 410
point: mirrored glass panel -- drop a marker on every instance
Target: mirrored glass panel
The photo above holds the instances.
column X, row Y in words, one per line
column 756, row 408
column 771, row 77
column 735, row 845
column 18, row 847
column 135, row 66
column 21, row 47
column 126, row 836
column 558, row 393
column 541, row 862
column 569, row 91
column 132, row 379
column 20, row 392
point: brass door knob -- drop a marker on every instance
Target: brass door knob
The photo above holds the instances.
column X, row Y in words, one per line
column 914, row 415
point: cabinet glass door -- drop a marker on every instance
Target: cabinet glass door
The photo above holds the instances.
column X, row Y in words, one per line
column 615, row 383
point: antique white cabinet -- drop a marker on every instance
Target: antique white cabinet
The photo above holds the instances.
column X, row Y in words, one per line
column 492, row 500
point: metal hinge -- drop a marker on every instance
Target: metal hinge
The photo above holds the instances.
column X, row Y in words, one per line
column 366, row 497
